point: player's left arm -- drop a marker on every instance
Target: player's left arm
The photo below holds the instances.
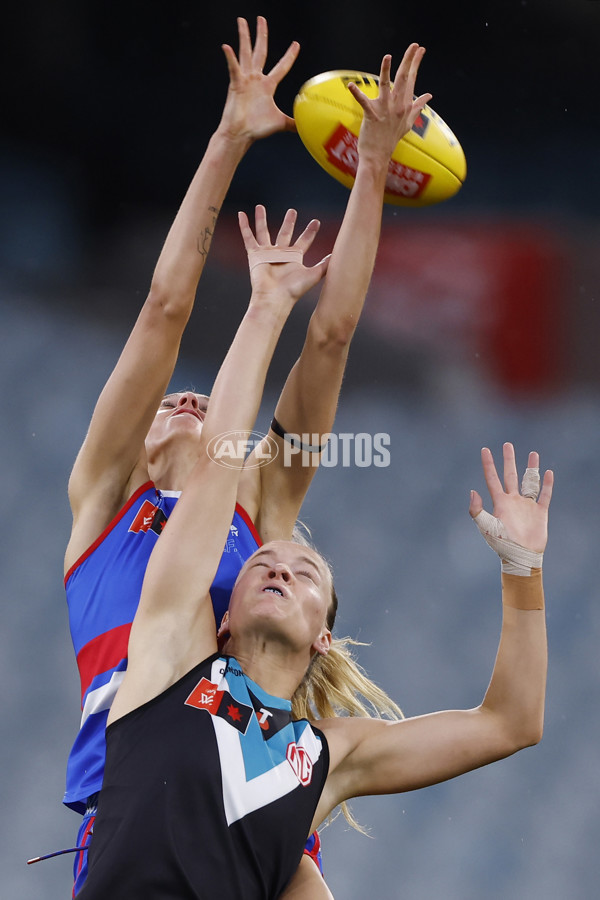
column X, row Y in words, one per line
column 308, row 402
column 375, row 757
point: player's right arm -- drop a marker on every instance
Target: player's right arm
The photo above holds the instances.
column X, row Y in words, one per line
column 168, row 639
column 111, row 464
column 309, row 399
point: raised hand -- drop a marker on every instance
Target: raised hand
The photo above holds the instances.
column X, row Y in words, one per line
column 518, row 517
column 279, row 266
column 250, row 109
column 392, row 114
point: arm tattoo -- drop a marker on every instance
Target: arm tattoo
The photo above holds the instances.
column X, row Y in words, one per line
column 204, row 239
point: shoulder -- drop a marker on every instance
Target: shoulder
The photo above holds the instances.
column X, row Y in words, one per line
column 100, row 512
column 345, row 734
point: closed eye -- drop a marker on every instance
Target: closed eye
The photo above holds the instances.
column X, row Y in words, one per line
column 307, row 575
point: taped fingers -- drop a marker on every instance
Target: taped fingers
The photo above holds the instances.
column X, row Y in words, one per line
column 274, row 255
column 530, row 485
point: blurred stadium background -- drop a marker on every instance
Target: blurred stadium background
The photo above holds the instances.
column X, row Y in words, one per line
column 481, row 326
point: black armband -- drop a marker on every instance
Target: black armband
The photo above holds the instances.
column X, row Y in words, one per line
column 293, row 439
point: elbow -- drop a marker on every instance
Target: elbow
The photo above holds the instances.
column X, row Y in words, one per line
column 527, row 734
column 531, row 726
column 534, row 734
column 508, row 734
column 167, row 303
column 334, row 337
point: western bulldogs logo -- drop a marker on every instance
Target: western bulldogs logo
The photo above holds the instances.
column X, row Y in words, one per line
column 149, row 518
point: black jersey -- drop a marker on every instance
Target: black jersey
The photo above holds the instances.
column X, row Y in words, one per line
column 209, row 792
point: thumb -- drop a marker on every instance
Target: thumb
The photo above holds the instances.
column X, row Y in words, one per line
column 358, row 95
column 476, row 504
column 313, row 275
column 321, row 267
column 289, row 124
column 319, row 271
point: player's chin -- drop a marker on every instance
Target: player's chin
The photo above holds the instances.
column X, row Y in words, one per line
column 187, row 423
column 270, row 608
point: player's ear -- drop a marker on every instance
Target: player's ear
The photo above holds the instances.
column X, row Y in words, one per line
column 322, row 644
column 223, row 631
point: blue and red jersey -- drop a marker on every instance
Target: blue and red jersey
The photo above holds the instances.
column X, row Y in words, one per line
column 103, row 591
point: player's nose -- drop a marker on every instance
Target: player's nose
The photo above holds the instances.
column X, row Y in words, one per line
column 188, row 398
column 281, row 570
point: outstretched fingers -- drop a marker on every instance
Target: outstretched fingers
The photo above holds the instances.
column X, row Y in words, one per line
column 385, row 72
column 283, row 66
column 475, row 505
column 384, row 86
column 418, row 104
column 546, row 492
column 511, row 478
column 245, row 43
column 285, row 233
column 406, row 74
column 398, row 95
column 259, row 54
column 405, row 80
column 260, row 225
column 280, row 266
column 305, row 240
column 260, row 238
column 362, row 99
column 250, row 242
column 253, row 59
column 233, row 66
column 494, row 485
column 409, row 66
column 519, row 524
column 511, row 481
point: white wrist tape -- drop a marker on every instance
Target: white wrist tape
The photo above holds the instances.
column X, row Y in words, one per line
column 274, row 255
column 516, row 560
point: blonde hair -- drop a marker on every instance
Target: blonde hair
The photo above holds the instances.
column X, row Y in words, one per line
column 336, row 685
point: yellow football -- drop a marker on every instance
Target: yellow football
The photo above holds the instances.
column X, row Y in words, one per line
column 427, row 166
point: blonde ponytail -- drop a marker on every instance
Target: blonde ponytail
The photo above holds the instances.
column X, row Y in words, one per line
column 336, row 685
